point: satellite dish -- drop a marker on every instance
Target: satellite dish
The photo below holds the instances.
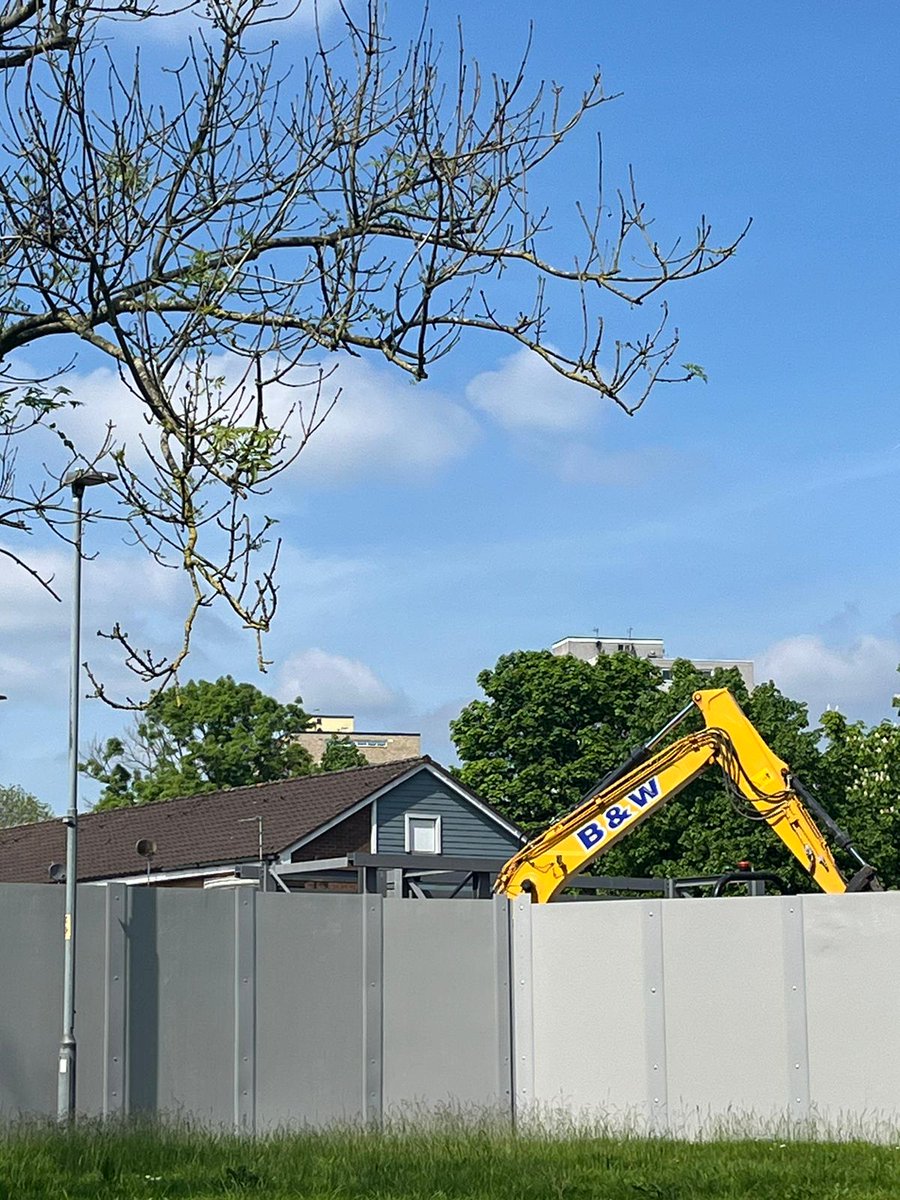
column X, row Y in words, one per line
column 57, row 873
column 145, row 847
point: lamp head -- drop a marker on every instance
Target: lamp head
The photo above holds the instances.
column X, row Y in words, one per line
column 78, row 480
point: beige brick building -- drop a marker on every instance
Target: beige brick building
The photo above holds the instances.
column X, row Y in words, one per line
column 377, row 747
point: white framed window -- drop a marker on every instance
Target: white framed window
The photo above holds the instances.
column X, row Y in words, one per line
column 423, row 833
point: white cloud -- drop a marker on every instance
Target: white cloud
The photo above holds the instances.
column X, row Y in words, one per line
column 102, row 400
column 150, row 602
column 333, row 683
column 525, row 394
column 556, row 423
column 20, row 676
column 24, row 604
column 114, row 586
column 313, row 585
column 434, row 725
column 859, row 679
column 383, row 425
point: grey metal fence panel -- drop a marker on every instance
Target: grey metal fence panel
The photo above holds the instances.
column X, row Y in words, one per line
column 31, row 971
column 442, row 970
column 372, row 1057
column 591, row 1000
column 245, row 995
column 852, row 983
column 521, row 984
column 667, row 1016
column 309, row 1010
column 31, row 927
column 90, row 997
column 115, row 1040
column 725, row 1012
column 180, row 1008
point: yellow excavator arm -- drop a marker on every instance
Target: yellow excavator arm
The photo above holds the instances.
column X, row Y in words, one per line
column 631, row 793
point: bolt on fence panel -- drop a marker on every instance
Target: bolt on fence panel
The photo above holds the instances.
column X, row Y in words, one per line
column 445, row 964
column 852, row 978
column 310, row 1009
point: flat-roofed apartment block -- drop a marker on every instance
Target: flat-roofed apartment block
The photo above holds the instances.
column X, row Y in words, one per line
column 377, row 747
column 589, row 650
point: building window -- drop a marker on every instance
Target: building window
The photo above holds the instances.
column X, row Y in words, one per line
column 423, row 834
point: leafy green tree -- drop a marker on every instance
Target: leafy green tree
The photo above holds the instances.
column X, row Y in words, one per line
column 199, row 738
column 340, row 753
column 18, row 807
column 551, row 726
column 861, row 784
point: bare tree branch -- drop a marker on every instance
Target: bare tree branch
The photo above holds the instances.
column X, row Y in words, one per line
column 240, row 209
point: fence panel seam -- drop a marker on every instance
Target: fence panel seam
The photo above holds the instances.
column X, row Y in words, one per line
column 245, row 1009
column 796, row 1028
column 522, row 1008
column 503, row 954
column 114, row 1014
column 655, row 1020
column 373, row 1008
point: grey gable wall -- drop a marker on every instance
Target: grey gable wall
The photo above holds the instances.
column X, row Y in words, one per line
column 465, row 830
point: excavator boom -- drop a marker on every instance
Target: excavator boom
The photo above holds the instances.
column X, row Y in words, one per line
column 629, row 795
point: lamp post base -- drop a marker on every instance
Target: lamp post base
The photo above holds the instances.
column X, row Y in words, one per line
column 65, row 1096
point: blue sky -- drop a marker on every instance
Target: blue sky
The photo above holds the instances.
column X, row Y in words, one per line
column 429, row 530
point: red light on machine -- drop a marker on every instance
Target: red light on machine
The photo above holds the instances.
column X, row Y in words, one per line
column 743, row 865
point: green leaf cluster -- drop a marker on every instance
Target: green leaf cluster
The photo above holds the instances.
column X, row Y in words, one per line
column 340, row 754
column 33, row 401
column 18, row 807
column 861, row 777
column 245, row 450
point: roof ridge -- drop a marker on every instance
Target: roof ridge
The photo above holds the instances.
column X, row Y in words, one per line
column 394, row 762
column 220, row 791
column 264, row 783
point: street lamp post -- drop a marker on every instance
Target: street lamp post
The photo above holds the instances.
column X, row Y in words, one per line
column 78, row 481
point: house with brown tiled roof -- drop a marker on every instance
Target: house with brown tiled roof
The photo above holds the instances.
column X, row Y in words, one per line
column 413, row 806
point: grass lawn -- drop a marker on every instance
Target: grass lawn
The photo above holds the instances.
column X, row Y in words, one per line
column 104, row 1163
